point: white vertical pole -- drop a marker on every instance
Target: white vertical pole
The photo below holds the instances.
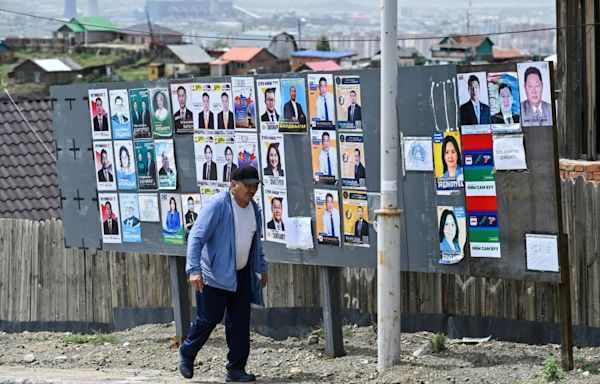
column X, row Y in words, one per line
column 388, row 215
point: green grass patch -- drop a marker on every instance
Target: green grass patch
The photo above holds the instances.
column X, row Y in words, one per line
column 552, row 369
column 438, row 342
column 96, row 339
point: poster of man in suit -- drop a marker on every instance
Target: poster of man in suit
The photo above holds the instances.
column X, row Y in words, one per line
column 349, row 112
column 327, row 208
column 99, row 114
column 130, row 218
column 191, row 207
column 505, row 110
column 269, row 103
column 534, row 85
column 293, row 93
column 474, row 104
column 139, row 100
column 109, row 217
column 352, row 150
column 320, row 100
column 105, row 169
column 276, row 215
column 355, row 218
column 120, row 119
column 183, row 117
column 202, row 96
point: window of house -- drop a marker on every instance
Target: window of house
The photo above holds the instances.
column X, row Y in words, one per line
column 20, row 76
column 37, row 76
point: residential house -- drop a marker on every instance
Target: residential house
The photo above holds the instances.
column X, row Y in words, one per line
column 279, row 43
column 87, row 30
column 46, row 71
column 325, row 65
column 183, row 60
column 7, row 54
column 463, row 50
column 407, row 56
column 246, row 60
column 141, row 34
column 301, row 57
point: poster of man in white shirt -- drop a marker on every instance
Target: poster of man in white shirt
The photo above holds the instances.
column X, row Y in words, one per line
column 321, row 100
column 327, row 207
column 324, row 156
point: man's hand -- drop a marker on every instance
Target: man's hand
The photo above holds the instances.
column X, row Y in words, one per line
column 264, row 280
column 197, row 282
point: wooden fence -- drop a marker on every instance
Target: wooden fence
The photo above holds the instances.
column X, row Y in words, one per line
column 42, row 281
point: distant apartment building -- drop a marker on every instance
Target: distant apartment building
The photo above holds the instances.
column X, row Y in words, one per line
column 463, row 50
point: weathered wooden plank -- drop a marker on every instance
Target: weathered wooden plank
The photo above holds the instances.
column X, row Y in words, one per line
column 594, row 260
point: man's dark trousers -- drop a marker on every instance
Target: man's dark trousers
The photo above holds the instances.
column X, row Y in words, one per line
column 211, row 304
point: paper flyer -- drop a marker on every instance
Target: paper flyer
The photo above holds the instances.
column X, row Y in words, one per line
column 99, row 114
column 321, row 101
column 244, row 103
column 139, row 100
column 109, row 217
column 276, row 215
column 299, row 233
column 535, row 89
column 294, row 108
column 120, row 119
column 324, row 157
column 269, row 103
column 327, row 208
column 145, row 164
column 273, row 165
column 452, row 233
column 352, row 164
column 418, row 153
column 130, row 218
column 183, row 114
column 509, row 152
column 447, row 160
column 126, row 179
column 161, row 114
column 172, row 226
column 247, row 149
column 165, row 160
column 542, row 252
column 192, row 203
column 347, row 91
column 474, row 104
column 355, row 218
column 224, row 156
column 505, row 108
column 204, row 150
column 149, row 210
column 105, row 169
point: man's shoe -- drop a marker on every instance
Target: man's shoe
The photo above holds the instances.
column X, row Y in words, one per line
column 239, row 376
column 186, row 366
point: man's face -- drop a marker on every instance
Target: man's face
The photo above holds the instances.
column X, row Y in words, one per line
column 129, row 211
column 119, row 106
column 356, row 157
column 353, row 98
column 293, row 93
column 104, row 160
column 165, row 161
column 205, row 103
column 329, row 203
column 276, row 209
column 108, row 210
column 99, row 109
column 506, row 100
column 533, row 89
column 360, row 213
column 225, row 103
column 191, row 205
column 181, row 98
column 228, row 156
column 325, row 142
column 208, row 154
column 149, row 155
column 243, row 193
column 135, row 105
column 143, row 105
column 322, row 88
column 270, row 101
column 474, row 90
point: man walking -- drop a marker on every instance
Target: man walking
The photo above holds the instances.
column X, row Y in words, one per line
column 226, row 267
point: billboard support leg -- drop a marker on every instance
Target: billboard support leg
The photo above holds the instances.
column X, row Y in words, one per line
column 181, row 299
column 564, row 297
column 331, row 298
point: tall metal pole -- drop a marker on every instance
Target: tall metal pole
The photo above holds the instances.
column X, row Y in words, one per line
column 388, row 215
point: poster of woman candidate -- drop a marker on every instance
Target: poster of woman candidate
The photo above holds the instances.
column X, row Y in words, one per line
column 165, row 162
column 347, row 91
column 109, row 217
column 145, row 164
column 320, row 100
column 355, row 218
column 125, row 164
column 276, row 215
column 130, row 218
column 324, row 157
column 448, row 165
column 139, row 100
column 148, row 207
column 293, row 95
column 204, row 155
column 273, row 160
column 327, row 208
column 535, row 90
column 224, row 157
column 161, row 115
column 183, row 115
column 474, row 105
column 505, row 110
column 269, row 103
column 105, row 170
column 452, row 232
column 247, row 149
column 352, row 164
column 170, row 213
column 120, row 119
column 99, row 114
column 244, row 103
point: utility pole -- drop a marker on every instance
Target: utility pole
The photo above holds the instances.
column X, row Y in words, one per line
column 388, row 215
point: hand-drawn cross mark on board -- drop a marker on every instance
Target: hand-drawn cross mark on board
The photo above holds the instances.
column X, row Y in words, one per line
column 90, row 148
column 86, row 100
column 95, row 199
column 65, row 243
column 78, row 199
column 62, row 198
column 83, row 244
column 70, row 100
column 56, row 148
column 75, row 150
column 52, row 101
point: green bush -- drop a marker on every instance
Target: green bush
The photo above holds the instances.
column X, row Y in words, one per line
column 552, row 369
column 438, row 343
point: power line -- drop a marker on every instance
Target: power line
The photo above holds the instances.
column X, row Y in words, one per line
column 213, row 37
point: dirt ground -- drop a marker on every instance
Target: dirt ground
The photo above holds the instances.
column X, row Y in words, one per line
column 146, row 354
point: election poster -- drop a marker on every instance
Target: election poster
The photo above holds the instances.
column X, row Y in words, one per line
column 324, row 157
column 105, row 169
column 505, row 110
column 269, row 103
column 223, row 156
column 247, row 149
column 293, row 94
column 474, row 104
column 165, row 161
column 321, row 101
column 125, row 164
column 352, row 164
column 192, row 203
column 120, row 119
column 273, row 157
column 149, row 210
column 418, row 153
column 139, row 100
column 244, row 103
column 448, row 164
column 99, row 114
column 452, row 233
column 161, row 115
column 535, row 90
column 327, row 208
column 170, row 212
column 276, row 215
column 204, row 151
column 130, row 218
column 145, row 164
column 349, row 113
column 183, row 115
column 355, row 218
column 109, row 217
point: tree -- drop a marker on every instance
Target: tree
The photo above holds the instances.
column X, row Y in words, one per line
column 323, row 44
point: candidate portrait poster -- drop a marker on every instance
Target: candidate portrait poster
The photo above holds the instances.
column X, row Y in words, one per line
column 105, row 168
column 120, row 118
column 204, row 157
column 160, row 112
column 348, row 97
column 327, row 208
column 149, row 211
column 170, row 212
column 269, row 103
column 294, row 108
column 355, row 218
column 139, row 101
column 130, row 218
column 276, row 215
column 452, row 232
column 244, row 103
column 192, row 202
column 324, row 157
column 474, row 107
column 273, row 160
column 183, row 114
column 125, row 161
column 99, row 114
column 352, row 161
column 321, row 101
column 145, row 164
column 165, row 162
column 448, row 163
column 109, row 217
column 535, row 90
column 505, row 109
column 224, row 156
